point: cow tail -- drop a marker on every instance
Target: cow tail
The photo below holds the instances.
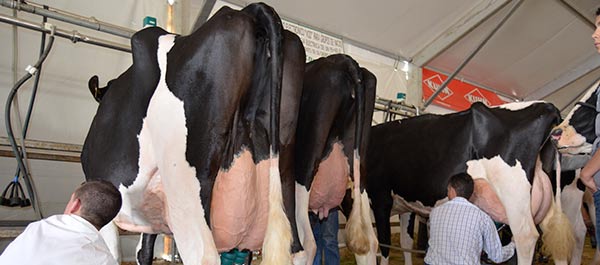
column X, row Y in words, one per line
column 278, row 236
column 557, row 234
column 357, row 226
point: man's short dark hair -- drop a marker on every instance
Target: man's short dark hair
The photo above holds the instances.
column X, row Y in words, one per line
column 598, row 11
column 100, row 201
column 463, row 184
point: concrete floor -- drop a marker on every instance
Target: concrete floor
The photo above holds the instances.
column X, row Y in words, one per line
column 397, row 258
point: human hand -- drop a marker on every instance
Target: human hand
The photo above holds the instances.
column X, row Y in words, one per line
column 589, row 183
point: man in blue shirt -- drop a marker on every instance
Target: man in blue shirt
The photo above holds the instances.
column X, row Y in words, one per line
column 459, row 230
column 590, row 173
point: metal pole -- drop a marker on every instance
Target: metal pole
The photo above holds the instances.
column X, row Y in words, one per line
column 578, row 96
column 74, row 36
column 403, row 249
column 45, row 145
column 460, row 67
column 88, row 22
column 394, row 105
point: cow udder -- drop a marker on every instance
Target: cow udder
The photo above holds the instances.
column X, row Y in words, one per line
column 330, row 182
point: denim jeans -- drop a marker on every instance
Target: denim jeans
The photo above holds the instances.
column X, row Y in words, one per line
column 325, row 232
column 597, row 205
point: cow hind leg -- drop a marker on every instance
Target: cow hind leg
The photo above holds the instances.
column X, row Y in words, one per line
column 185, row 214
column 184, row 209
column 405, row 237
column 512, row 188
column 382, row 206
column 304, row 229
column 571, row 198
column 145, row 249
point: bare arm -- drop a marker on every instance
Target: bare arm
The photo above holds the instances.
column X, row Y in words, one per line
column 587, row 172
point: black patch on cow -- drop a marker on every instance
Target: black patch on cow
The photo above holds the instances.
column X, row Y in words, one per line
column 584, row 118
column 328, row 111
column 111, row 148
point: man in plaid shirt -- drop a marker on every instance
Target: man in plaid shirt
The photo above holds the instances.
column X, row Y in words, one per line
column 459, row 230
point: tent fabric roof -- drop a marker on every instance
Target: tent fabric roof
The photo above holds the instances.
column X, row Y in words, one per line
column 544, row 45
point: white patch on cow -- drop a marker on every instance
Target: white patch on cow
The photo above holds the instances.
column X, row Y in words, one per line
column 131, row 216
column 572, row 199
column 166, row 123
column 405, row 239
column 110, row 234
column 570, row 141
column 513, row 190
column 518, row 105
column 386, row 261
column 400, row 206
column 305, row 233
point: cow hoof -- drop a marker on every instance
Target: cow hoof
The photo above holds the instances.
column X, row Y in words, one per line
column 299, row 258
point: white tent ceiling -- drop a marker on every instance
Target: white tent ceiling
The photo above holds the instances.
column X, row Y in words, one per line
column 544, row 45
column 544, row 49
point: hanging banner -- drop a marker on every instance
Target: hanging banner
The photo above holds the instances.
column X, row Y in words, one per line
column 456, row 95
column 316, row 44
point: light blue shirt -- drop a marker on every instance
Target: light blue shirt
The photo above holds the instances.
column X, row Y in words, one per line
column 596, row 144
column 459, row 231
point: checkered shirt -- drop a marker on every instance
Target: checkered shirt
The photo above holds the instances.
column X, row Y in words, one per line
column 459, row 231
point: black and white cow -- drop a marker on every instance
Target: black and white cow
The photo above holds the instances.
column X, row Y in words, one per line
column 190, row 135
column 506, row 151
column 337, row 96
column 574, row 137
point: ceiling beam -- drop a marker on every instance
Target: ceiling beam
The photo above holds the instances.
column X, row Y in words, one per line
column 207, row 7
column 590, row 64
column 579, row 13
column 477, row 15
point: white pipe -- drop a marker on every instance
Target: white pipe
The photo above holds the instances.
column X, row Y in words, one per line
column 88, row 22
column 74, row 36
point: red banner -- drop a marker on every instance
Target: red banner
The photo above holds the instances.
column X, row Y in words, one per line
column 457, row 95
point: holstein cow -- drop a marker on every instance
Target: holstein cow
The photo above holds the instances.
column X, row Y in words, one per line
column 410, row 161
column 575, row 136
column 333, row 127
column 190, row 135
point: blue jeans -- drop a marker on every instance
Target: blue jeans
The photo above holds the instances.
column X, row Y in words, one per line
column 597, row 205
column 325, row 232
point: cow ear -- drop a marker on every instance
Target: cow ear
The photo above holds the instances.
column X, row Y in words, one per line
column 93, row 86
